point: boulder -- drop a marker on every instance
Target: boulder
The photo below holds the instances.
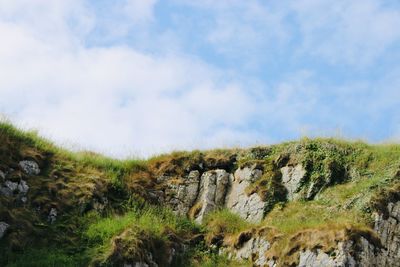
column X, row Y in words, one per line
column 3, row 228
column 29, row 167
column 52, row 217
column 23, row 187
column 8, row 188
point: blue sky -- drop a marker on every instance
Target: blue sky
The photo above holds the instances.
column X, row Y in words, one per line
column 138, row 77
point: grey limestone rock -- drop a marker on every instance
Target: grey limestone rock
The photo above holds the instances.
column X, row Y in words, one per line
column 29, row 167
column 255, row 250
column 249, row 207
column 292, row 177
column 9, row 188
column 184, row 195
column 212, row 192
column 23, row 187
column 342, row 257
column 3, row 228
column 52, row 216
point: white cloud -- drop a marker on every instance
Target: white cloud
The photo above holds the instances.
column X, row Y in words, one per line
column 351, row 32
column 113, row 99
column 120, row 100
column 355, row 33
column 139, row 10
column 241, row 29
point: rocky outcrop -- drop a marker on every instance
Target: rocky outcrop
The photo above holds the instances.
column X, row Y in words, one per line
column 363, row 252
column 30, row 167
column 353, row 249
column 249, row 207
column 3, row 228
column 387, row 226
column 254, row 249
column 181, row 197
column 292, row 179
column 341, row 256
column 212, row 193
column 198, row 195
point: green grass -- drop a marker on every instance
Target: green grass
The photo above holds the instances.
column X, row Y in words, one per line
column 301, row 215
column 49, row 257
column 353, row 172
column 224, row 221
column 154, row 221
column 150, row 219
column 216, row 260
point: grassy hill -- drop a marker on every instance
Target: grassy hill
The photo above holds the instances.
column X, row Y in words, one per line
column 86, row 209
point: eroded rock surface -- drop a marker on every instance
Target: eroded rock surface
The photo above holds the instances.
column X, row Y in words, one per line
column 254, row 250
column 200, row 194
column 292, row 177
column 212, row 193
column 341, row 256
column 182, row 197
column 388, row 229
column 249, row 207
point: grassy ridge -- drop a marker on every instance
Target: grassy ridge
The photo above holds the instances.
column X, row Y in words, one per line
column 353, row 173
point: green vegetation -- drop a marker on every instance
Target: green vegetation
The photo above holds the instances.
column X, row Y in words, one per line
column 42, row 257
column 224, row 224
column 107, row 213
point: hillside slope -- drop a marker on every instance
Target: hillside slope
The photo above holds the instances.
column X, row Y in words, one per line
column 313, row 202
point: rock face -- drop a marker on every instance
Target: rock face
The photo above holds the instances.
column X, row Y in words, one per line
column 213, row 189
column 3, row 228
column 388, row 229
column 349, row 253
column 254, row 249
column 318, row 258
column 249, row 207
column 201, row 194
column 184, row 195
column 29, row 167
column 363, row 252
column 292, row 177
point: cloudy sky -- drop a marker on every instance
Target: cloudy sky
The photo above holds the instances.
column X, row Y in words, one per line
column 138, row 77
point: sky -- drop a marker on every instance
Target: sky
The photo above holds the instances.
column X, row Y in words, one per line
column 141, row 77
